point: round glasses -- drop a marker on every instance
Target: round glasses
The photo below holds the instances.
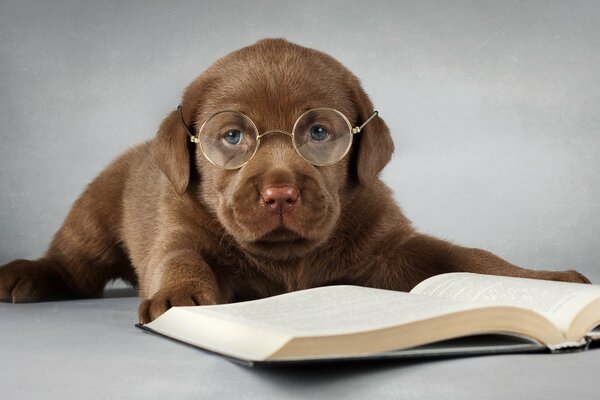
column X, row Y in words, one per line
column 229, row 139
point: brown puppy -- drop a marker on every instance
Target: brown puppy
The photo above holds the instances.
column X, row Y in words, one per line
column 189, row 232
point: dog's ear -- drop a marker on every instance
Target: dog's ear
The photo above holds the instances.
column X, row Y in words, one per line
column 374, row 143
column 170, row 151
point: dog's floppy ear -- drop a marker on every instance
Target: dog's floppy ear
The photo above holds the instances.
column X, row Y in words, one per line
column 170, row 151
column 374, row 142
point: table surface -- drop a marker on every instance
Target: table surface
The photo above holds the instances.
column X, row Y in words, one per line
column 90, row 349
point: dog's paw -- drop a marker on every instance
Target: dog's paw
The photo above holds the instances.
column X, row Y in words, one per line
column 564, row 276
column 23, row 281
column 185, row 295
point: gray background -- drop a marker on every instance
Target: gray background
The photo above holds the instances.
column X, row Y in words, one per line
column 494, row 106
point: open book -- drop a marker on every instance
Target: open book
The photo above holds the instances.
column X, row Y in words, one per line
column 352, row 322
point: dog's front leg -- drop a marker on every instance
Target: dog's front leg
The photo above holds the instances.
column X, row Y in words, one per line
column 179, row 278
column 420, row 257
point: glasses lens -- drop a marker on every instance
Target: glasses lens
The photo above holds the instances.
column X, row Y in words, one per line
column 322, row 136
column 228, row 139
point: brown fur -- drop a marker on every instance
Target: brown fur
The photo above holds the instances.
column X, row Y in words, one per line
column 186, row 232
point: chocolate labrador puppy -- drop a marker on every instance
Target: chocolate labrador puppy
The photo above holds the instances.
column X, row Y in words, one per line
column 264, row 181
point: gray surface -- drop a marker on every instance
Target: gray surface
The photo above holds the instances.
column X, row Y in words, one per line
column 494, row 106
column 90, row 349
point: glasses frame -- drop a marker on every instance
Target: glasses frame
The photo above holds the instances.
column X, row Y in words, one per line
column 351, row 130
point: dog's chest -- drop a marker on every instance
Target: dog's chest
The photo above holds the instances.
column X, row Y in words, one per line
column 258, row 280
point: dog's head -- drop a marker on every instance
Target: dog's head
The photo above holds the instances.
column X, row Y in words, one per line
column 277, row 205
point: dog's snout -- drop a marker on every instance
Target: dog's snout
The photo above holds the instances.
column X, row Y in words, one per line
column 280, row 199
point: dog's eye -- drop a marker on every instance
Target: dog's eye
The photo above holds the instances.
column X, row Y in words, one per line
column 318, row 133
column 233, row 136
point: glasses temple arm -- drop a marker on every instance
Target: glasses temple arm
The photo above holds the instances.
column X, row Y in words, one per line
column 359, row 128
column 193, row 138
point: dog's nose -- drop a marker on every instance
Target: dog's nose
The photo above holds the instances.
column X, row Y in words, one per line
column 280, row 199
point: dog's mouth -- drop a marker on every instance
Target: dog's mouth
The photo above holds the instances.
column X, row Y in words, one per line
column 281, row 243
column 281, row 235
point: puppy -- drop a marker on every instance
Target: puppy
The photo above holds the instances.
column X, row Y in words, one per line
column 264, row 181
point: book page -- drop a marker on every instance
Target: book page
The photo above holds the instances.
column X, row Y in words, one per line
column 334, row 310
column 558, row 301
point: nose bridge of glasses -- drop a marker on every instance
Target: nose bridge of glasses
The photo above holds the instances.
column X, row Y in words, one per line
column 274, row 131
